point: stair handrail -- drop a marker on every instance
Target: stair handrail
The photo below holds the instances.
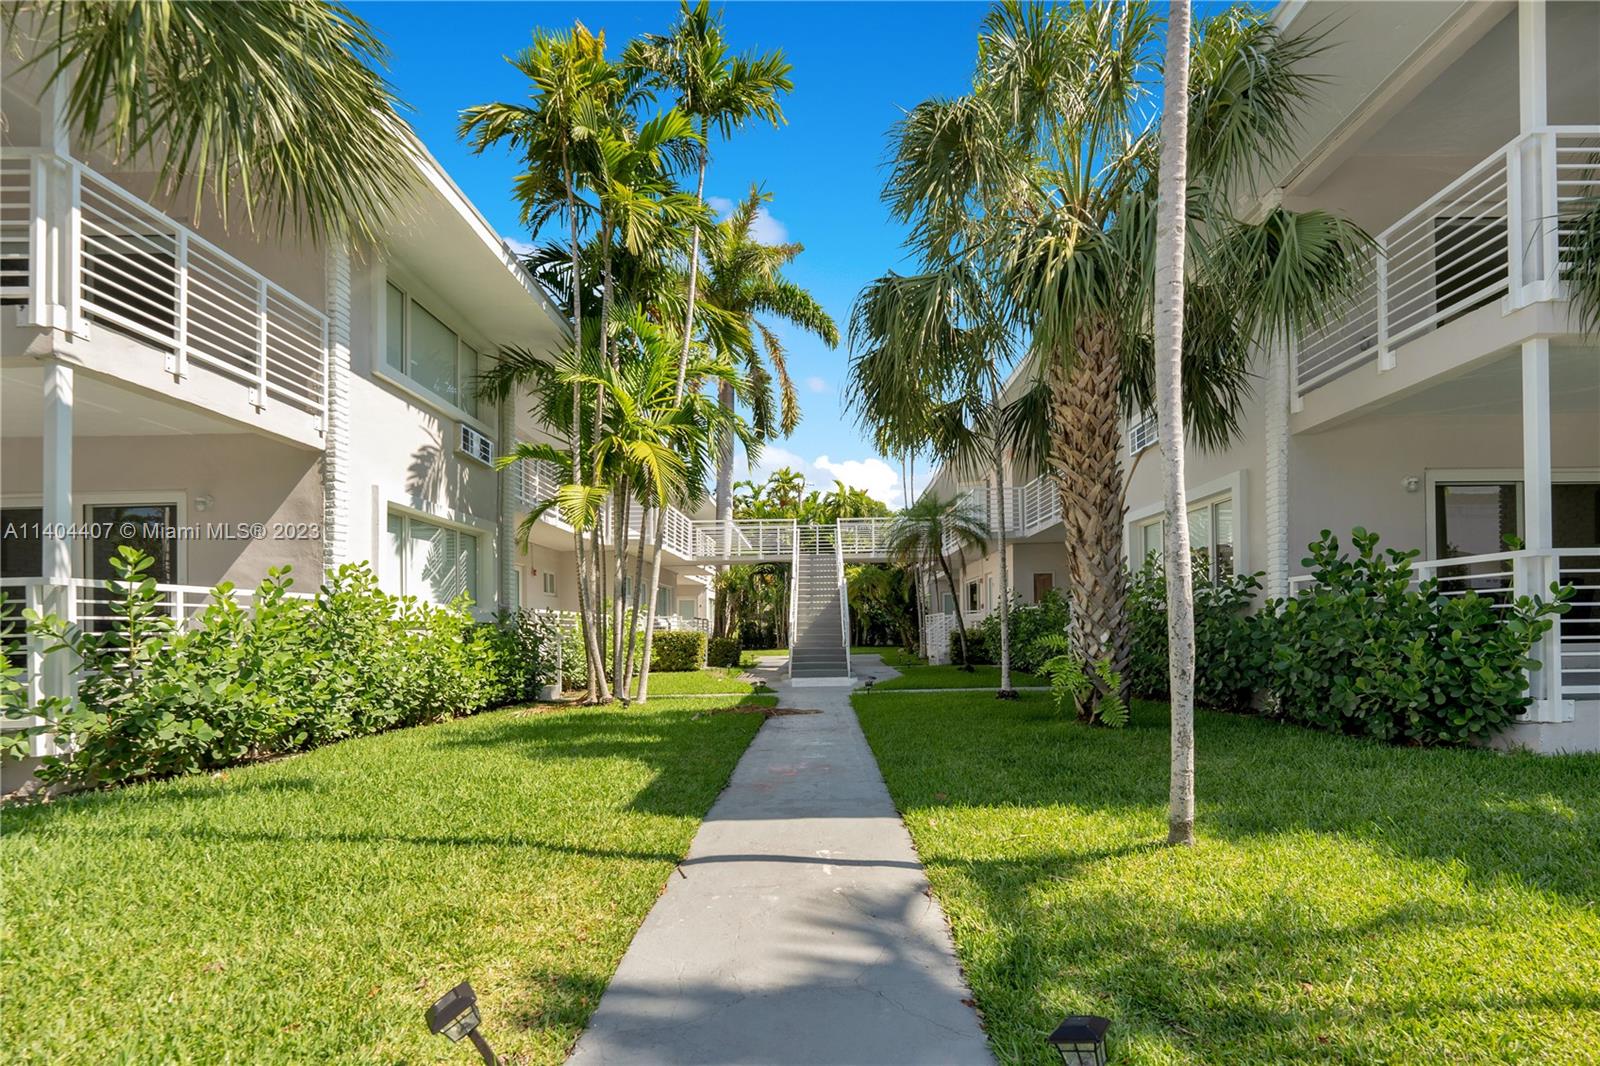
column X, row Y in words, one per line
column 794, row 595
column 844, row 598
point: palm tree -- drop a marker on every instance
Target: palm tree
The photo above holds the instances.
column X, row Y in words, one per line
column 571, row 86
column 744, row 278
column 1171, row 224
column 917, row 540
column 1053, row 150
column 928, row 355
column 279, row 106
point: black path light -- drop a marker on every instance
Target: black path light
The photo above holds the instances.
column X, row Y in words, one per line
column 455, row 1015
column 1081, row 1040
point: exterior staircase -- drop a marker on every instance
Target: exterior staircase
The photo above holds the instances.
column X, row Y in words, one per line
column 818, row 652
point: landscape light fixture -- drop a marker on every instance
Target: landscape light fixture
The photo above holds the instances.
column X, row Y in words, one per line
column 455, row 1015
column 1081, row 1040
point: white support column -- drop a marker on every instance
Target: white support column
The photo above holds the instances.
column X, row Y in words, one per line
column 1277, row 472
column 56, row 515
column 1527, row 184
column 1535, row 574
column 336, row 437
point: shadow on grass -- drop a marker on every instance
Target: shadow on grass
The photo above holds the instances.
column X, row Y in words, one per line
column 1303, row 932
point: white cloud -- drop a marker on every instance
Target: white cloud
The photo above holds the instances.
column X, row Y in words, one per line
column 519, row 247
column 765, row 229
column 818, row 385
column 878, row 478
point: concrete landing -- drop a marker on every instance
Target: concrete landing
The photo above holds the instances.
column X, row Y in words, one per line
column 803, row 931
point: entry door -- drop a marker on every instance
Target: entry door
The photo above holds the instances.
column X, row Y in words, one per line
column 1042, row 583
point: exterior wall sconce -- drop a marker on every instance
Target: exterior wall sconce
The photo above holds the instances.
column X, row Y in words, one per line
column 1411, row 483
column 203, row 502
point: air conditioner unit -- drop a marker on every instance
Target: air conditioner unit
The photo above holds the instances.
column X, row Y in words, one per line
column 476, row 444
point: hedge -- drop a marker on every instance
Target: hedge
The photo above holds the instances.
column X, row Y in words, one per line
column 155, row 699
column 724, row 651
column 677, row 651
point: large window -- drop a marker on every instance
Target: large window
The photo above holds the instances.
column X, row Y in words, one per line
column 1210, row 538
column 431, row 355
column 435, row 563
column 1478, row 517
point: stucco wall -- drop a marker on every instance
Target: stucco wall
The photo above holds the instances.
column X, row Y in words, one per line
column 249, row 478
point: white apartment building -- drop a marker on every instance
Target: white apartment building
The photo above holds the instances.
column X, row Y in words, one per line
column 243, row 400
column 1456, row 403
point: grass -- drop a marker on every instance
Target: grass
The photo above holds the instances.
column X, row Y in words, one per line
column 1347, row 902
column 309, row 909
column 918, row 676
column 898, row 658
column 708, row 680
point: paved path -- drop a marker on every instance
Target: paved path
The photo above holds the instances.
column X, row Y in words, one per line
column 804, row 931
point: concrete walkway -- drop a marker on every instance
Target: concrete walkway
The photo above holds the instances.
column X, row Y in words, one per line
column 803, row 931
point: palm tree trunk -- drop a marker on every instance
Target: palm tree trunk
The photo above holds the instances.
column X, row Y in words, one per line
column 961, row 622
column 677, row 397
column 1171, row 220
column 1084, row 455
column 587, row 610
column 639, row 591
column 619, row 604
column 725, row 475
column 1006, row 691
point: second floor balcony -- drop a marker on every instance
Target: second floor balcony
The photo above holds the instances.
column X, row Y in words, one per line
column 136, row 295
column 1495, row 237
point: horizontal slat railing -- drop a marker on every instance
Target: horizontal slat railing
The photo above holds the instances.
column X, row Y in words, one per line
column 1494, row 576
column 16, row 223
column 1459, row 250
column 137, row 271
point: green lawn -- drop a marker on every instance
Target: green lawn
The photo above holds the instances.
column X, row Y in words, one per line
column 895, row 657
column 718, row 680
column 310, row 909
column 1348, row 902
column 917, row 676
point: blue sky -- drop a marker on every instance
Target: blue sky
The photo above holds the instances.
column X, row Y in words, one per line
column 856, row 66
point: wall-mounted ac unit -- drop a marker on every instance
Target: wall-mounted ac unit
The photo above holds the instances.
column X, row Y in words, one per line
column 476, row 445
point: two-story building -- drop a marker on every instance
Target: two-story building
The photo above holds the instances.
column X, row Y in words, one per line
column 1457, row 403
column 233, row 400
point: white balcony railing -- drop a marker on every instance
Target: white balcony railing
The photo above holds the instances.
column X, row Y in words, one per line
column 1499, row 230
column 126, row 267
column 865, row 537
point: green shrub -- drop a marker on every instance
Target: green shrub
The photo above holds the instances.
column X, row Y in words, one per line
column 1365, row 651
column 287, row 674
column 723, row 651
column 677, row 650
column 1232, row 646
column 1029, row 622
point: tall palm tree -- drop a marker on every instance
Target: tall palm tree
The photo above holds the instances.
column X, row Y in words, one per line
column 571, row 87
column 917, row 541
column 1054, row 149
column 1171, row 224
column 744, row 278
column 281, row 106
column 718, row 91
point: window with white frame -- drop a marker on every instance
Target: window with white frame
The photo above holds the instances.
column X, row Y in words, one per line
column 431, row 356
column 974, row 596
column 435, row 563
column 1210, row 538
column 549, row 583
column 1141, row 432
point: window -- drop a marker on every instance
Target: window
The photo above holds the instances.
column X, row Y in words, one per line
column 664, row 600
column 1141, row 432
column 435, row 563
column 687, row 608
column 431, row 355
column 549, row 583
column 949, row 603
column 973, row 597
column 1210, row 539
column 1476, row 519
